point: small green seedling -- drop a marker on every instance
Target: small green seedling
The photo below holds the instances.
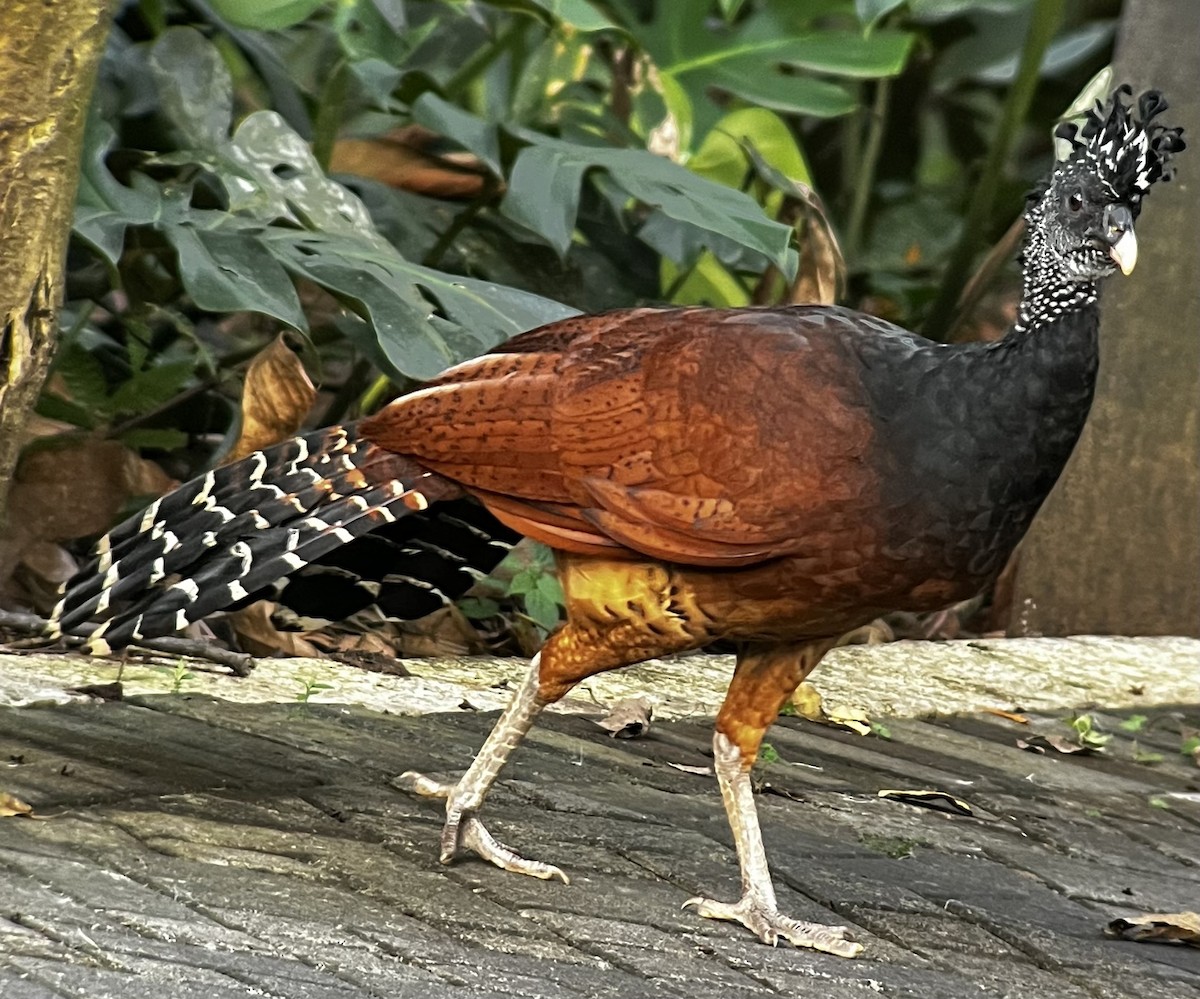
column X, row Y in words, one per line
column 1142, row 756
column 310, row 687
column 1134, row 723
column 1087, row 734
column 768, row 754
column 179, row 674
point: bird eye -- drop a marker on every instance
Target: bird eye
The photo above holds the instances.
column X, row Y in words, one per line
column 1075, row 201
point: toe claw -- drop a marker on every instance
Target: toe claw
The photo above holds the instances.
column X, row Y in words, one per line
column 769, row 925
column 426, row 787
column 464, row 832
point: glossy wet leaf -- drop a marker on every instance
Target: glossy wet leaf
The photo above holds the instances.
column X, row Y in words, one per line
column 194, row 85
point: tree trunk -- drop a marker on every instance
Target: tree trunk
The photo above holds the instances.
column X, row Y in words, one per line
column 1117, row 548
column 50, row 54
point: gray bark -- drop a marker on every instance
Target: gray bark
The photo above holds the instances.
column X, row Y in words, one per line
column 1116, row 550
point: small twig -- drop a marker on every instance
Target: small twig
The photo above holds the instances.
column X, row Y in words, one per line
column 238, row 663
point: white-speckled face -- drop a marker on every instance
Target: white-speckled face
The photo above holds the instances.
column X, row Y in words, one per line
column 1078, row 223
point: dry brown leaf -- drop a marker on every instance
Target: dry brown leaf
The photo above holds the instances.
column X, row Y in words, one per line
column 445, row 632
column 13, row 807
column 69, row 488
column 1038, row 744
column 822, row 273
column 277, row 396
column 368, row 643
column 628, row 719
column 75, row 487
column 806, row 702
column 400, row 159
column 1158, row 927
column 855, row 721
column 260, row 637
column 1012, row 716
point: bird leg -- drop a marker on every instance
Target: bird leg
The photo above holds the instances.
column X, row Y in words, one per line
column 759, row 688
column 463, row 831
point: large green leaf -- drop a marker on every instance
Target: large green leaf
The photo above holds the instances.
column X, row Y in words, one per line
column 266, row 15
column 871, row 12
column 104, row 207
column 552, row 165
column 543, row 193
column 231, row 271
column 470, row 132
column 195, row 88
column 757, row 58
column 578, row 14
column 332, row 241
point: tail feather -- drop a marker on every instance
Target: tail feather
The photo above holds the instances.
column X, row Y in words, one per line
column 254, row 562
column 399, row 571
column 229, row 534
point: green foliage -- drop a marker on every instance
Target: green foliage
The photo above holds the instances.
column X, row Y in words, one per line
column 179, row 675
column 1087, row 734
column 768, row 753
column 537, row 587
column 308, row 687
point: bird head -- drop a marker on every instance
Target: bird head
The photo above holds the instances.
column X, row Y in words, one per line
column 1083, row 216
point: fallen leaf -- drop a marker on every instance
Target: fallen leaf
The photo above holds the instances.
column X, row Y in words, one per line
column 12, row 806
column 101, row 691
column 1159, row 927
column 1011, row 716
column 698, row 771
column 939, row 801
column 851, row 718
column 806, row 702
column 70, row 488
column 629, row 718
column 275, row 399
column 1038, row 744
column 260, row 637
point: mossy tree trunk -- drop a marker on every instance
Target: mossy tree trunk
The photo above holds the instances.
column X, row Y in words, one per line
column 1117, row 548
column 48, row 60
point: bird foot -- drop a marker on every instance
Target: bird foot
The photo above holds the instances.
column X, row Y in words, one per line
column 769, row 924
column 463, row 832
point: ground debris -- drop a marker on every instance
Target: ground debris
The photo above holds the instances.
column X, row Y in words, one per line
column 1158, row 927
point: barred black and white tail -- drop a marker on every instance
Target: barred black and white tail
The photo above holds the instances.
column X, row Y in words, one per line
column 354, row 526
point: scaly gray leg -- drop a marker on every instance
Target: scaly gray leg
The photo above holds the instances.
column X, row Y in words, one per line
column 757, row 909
column 463, row 831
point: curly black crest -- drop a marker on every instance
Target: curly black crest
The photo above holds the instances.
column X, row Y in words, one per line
column 1123, row 147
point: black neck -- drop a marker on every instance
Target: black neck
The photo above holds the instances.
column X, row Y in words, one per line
column 1048, row 292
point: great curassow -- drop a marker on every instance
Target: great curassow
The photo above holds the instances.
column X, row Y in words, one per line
column 773, row 477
